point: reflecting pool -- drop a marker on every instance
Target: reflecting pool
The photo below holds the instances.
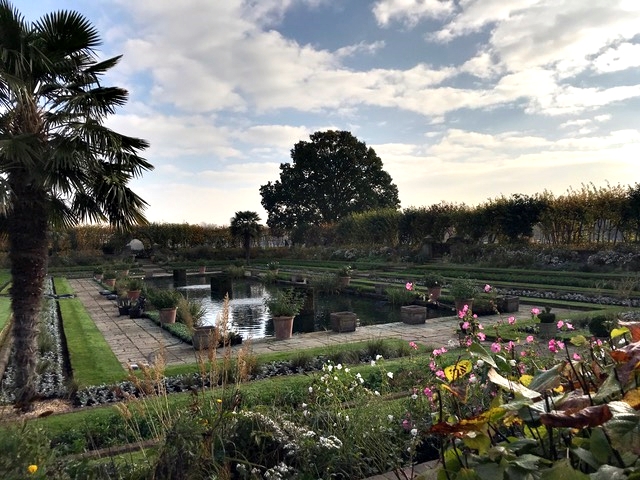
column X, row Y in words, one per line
column 249, row 316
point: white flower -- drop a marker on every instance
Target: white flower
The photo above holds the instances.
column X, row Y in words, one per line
column 390, row 374
column 414, row 397
column 330, row 367
column 390, row 417
column 335, row 378
column 414, row 431
column 304, row 405
column 512, row 362
column 480, row 363
column 346, row 418
column 339, row 366
column 373, row 363
column 347, row 370
column 378, row 357
column 310, row 389
column 376, row 392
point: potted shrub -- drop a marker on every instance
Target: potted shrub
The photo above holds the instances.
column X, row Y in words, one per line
column 344, row 275
column 134, row 286
column 109, row 278
column 273, row 266
column 548, row 326
column 166, row 301
column 98, row 272
column 284, row 305
column 463, row 291
column 434, row 282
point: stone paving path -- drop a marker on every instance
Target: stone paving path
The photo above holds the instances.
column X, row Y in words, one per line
column 137, row 341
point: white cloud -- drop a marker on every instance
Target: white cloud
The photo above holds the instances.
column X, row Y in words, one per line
column 410, row 12
column 621, row 57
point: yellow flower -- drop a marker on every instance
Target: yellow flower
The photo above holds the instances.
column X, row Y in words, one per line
column 32, row 469
column 219, row 400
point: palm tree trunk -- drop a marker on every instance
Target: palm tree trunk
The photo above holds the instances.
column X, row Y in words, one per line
column 27, row 226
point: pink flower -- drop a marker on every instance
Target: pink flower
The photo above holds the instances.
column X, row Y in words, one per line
column 535, row 311
column 466, row 325
column 481, row 336
column 428, row 392
column 496, row 347
column 409, row 286
column 530, row 339
column 553, row 346
column 432, row 366
column 475, row 315
column 560, row 324
column 440, row 374
column 523, row 353
column 487, row 288
column 560, row 345
column 465, row 309
column 510, row 346
column 413, row 345
column 480, row 327
column 569, row 326
column 468, row 342
column 577, row 356
column 511, row 320
column 460, row 314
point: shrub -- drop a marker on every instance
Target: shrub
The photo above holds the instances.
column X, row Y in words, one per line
column 600, row 326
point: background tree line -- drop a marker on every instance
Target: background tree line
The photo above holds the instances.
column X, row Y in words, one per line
column 587, row 216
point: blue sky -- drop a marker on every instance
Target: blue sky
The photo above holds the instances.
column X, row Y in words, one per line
column 463, row 100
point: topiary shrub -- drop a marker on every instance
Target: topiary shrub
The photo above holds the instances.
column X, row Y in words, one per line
column 600, row 326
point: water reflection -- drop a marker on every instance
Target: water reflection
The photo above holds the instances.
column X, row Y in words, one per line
column 249, row 316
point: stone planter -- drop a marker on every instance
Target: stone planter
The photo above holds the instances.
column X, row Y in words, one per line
column 168, row 315
column 547, row 330
column 461, row 302
column 204, row 337
column 508, row 304
column 413, row 314
column 202, row 270
column 379, row 288
column 343, row 321
column 283, row 327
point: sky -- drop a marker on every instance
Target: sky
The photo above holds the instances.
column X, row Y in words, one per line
column 463, row 100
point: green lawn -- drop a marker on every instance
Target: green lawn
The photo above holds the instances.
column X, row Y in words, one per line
column 92, row 360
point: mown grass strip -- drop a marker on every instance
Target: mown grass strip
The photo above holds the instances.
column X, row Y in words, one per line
column 92, row 361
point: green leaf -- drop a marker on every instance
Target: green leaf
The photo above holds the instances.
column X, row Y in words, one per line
column 586, row 456
column 616, row 332
column 562, row 470
column 578, row 340
column 478, row 350
column 610, row 387
column 467, row 474
column 609, row 472
column 503, row 365
column 547, row 380
column 489, row 471
column 480, row 442
column 600, row 447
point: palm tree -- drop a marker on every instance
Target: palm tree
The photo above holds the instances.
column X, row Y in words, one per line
column 59, row 164
column 244, row 225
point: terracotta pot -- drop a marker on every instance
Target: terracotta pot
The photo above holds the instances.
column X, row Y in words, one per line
column 343, row 321
column 204, row 337
column 202, row 270
column 168, row 315
column 133, row 295
column 97, row 276
column 283, row 327
column 413, row 314
column 109, row 282
column 461, row 302
column 344, row 281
